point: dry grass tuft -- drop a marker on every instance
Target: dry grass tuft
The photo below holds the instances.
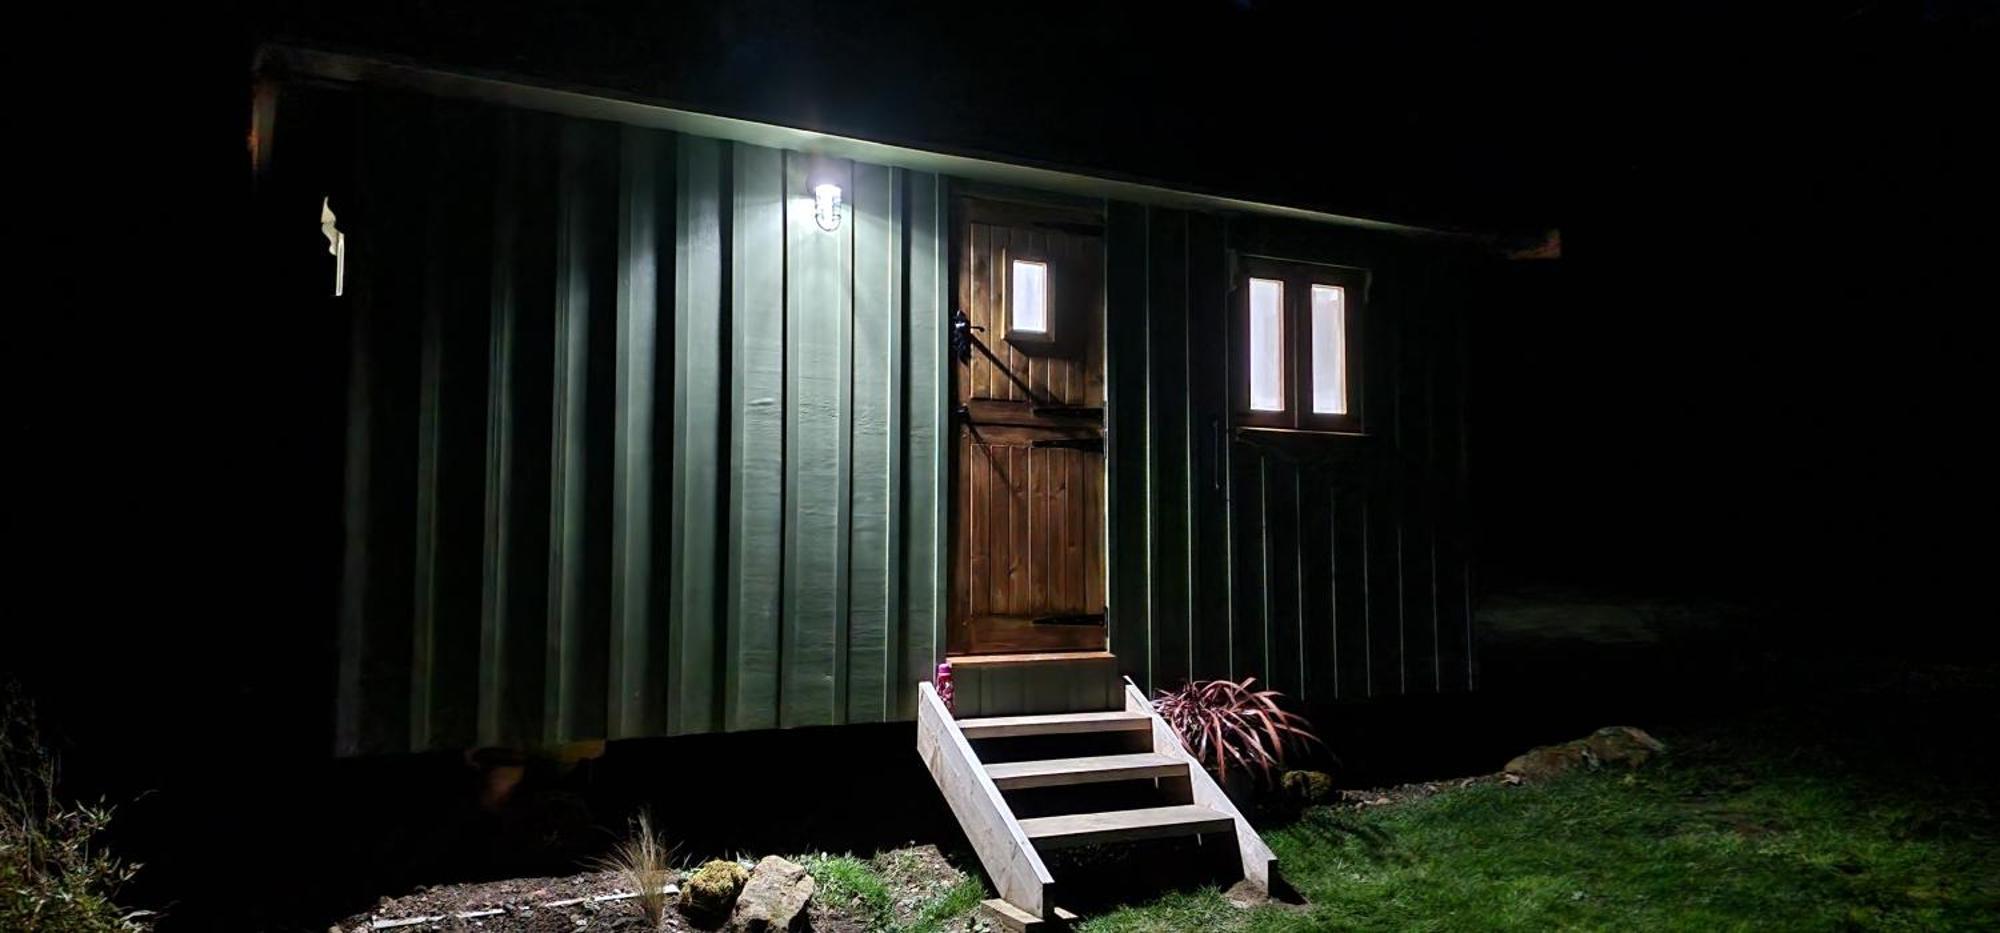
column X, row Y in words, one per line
column 644, row 861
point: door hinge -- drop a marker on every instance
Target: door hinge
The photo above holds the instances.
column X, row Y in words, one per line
column 1095, row 444
column 1094, row 618
column 1093, row 413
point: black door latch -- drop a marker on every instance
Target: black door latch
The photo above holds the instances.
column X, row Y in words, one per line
column 961, row 336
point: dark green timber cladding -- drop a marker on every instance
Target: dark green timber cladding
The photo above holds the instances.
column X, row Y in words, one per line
column 1329, row 567
column 634, row 446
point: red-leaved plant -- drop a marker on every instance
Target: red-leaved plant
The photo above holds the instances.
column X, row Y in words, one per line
column 1223, row 722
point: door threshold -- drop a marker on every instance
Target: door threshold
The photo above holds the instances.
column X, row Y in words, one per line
column 1039, row 657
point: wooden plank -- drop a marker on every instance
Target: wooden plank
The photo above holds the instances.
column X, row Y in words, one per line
column 519, row 437
column 1045, row 682
column 373, row 705
column 1125, row 436
column 1001, row 727
column 1078, row 829
column 1417, row 444
column 1381, row 514
column 1208, row 417
column 818, row 362
column 1094, row 769
column 1382, row 588
column 1001, row 660
column 874, row 209
column 1249, row 641
column 1018, row 633
column 1009, row 859
column 503, row 324
column 1320, row 659
column 1171, row 556
column 1347, row 576
column 1455, row 643
column 451, row 402
column 701, row 281
column 1260, row 864
column 757, row 444
column 1004, row 916
column 1019, row 598
column 568, row 694
column 639, row 683
column 1284, row 670
column 926, row 456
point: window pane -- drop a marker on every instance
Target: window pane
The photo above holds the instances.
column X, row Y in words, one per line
column 1031, row 297
column 1267, row 345
column 1329, row 350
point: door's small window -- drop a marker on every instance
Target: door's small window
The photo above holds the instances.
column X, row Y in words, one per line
column 1029, row 310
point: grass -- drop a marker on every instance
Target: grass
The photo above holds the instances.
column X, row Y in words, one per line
column 852, row 885
column 859, row 889
column 1866, row 809
column 1748, row 830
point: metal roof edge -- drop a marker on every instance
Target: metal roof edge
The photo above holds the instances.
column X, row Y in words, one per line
column 279, row 59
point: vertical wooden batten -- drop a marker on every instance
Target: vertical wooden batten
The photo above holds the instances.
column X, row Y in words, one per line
column 874, row 372
column 639, row 650
column 1126, row 324
column 925, row 389
column 699, row 423
column 757, row 444
column 818, row 319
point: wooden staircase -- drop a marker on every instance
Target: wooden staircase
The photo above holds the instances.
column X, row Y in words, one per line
column 1137, row 746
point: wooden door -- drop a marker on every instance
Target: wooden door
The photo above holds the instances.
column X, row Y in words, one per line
column 1028, row 506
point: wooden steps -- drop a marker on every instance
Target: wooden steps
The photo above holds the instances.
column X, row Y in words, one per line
column 1093, row 769
column 1003, row 727
column 1078, row 829
column 1147, row 786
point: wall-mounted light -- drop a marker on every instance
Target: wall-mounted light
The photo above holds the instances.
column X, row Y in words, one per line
column 826, row 206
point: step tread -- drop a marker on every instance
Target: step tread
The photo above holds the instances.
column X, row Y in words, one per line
column 1124, row 825
column 1086, row 770
column 994, row 727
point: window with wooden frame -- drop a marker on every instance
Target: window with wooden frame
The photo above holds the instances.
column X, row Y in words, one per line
column 1297, row 337
column 1029, row 297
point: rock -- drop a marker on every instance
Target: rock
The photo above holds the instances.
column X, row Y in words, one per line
column 1307, row 787
column 711, row 891
column 774, row 898
column 1623, row 745
column 1612, row 745
column 1547, row 761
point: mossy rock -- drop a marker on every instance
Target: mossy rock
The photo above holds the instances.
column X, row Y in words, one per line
column 1307, row 787
column 710, row 893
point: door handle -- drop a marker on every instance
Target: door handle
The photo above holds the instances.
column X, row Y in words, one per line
column 961, row 336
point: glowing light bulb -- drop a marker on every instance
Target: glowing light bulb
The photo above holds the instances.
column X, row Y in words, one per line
column 826, row 206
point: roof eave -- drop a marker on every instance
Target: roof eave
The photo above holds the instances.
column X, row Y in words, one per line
column 282, row 60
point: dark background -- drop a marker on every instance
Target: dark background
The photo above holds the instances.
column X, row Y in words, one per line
column 1756, row 375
